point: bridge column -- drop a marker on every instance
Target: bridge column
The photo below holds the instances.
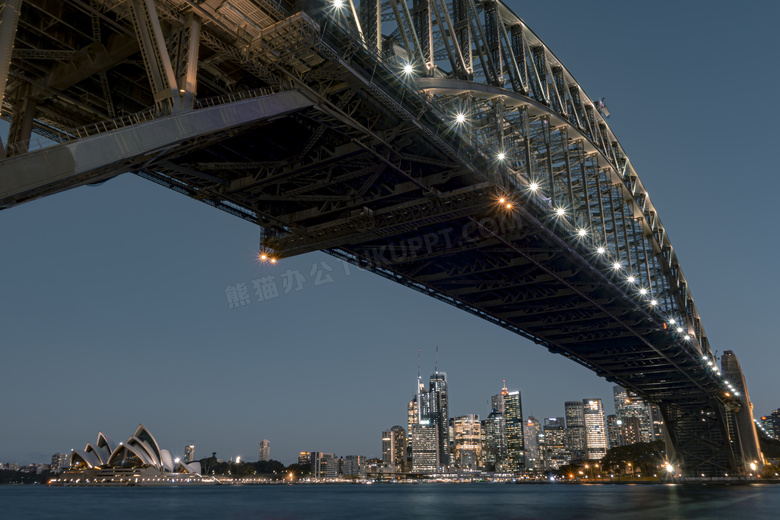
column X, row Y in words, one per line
column 155, row 54
column 9, row 18
column 185, row 61
column 697, row 439
column 22, row 121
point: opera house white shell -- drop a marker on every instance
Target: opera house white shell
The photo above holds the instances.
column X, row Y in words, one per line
column 139, row 460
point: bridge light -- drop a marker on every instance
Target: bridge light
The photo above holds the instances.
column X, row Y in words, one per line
column 679, row 329
column 616, row 266
column 263, row 257
column 631, row 279
column 273, row 260
column 501, row 156
column 672, row 321
column 560, row 212
column 687, row 337
column 642, row 291
column 653, row 303
column 533, row 186
column 508, row 205
column 502, row 200
column 408, row 69
column 582, row 232
column 600, row 250
column 338, row 4
column 669, row 468
column 460, row 118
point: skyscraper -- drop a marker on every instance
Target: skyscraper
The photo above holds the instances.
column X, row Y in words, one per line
column 555, row 452
column 394, row 447
column 613, row 431
column 468, row 441
column 532, row 433
column 595, row 428
column 425, row 448
column 304, row 457
column 189, row 453
column 628, row 404
column 265, row 450
column 438, row 414
column 513, row 415
column 576, row 437
column 494, row 449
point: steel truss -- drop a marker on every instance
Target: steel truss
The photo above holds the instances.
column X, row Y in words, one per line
column 368, row 161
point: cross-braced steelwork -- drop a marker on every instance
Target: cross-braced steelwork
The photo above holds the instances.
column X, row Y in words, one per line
column 440, row 144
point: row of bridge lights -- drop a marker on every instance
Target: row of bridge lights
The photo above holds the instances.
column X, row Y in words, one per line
column 460, row 118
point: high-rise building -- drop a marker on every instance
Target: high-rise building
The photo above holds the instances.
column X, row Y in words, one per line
column 354, row 466
column 595, row 428
column 555, row 452
column 438, row 414
column 334, row 467
column 304, row 457
column 494, row 444
column 613, row 431
column 265, row 450
column 576, row 437
column 742, row 428
column 59, row 462
column 468, row 441
column 319, row 463
column 771, row 424
column 394, row 447
column 189, row 453
column 628, row 404
column 425, row 448
column 532, row 434
column 515, row 443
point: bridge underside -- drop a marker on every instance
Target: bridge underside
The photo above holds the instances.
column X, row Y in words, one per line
column 326, row 148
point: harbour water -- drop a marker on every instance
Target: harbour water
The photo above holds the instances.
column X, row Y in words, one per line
column 394, row 501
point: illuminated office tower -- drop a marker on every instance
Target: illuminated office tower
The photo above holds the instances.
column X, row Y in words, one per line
column 532, row 433
column 576, row 437
column 320, row 462
column 555, row 452
column 59, row 462
column 394, row 447
column 425, row 448
column 265, row 450
column 437, row 413
column 628, row 404
column 189, row 453
column 494, row 448
column 468, row 441
column 515, row 444
column 595, row 428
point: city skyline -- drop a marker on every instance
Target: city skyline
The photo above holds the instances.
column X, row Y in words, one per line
column 94, row 273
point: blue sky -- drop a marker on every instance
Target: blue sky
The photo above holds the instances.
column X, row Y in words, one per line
column 113, row 309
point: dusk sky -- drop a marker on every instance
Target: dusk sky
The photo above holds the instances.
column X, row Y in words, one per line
column 112, row 298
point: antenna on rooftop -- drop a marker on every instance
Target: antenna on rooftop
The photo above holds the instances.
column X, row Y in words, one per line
column 437, row 359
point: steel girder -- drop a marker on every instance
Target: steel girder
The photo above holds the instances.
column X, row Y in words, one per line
column 376, row 171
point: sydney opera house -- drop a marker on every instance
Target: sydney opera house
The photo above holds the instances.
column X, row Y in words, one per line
column 137, row 461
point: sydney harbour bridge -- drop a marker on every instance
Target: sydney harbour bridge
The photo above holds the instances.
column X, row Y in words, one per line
column 438, row 143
